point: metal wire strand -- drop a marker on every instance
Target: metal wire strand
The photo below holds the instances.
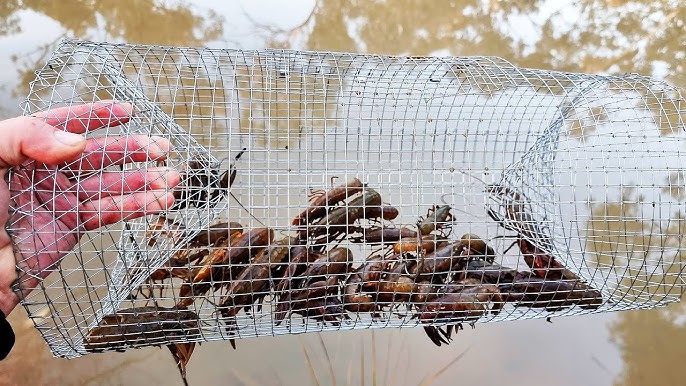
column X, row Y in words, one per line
column 327, row 191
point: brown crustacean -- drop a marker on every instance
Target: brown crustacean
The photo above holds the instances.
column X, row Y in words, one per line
column 181, row 263
column 487, row 272
column 437, row 219
column 382, row 235
column 300, row 256
column 355, row 299
column 202, row 183
column 253, row 281
column 518, row 219
column 318, row 300
column 138, row 326
column 321, row 203
column 424, row 291
column 436, row 266
column 374, row 268
column 162, row 225
column 238, row 253
column 215, row 232
column 334, row 264
column 551, row 295
column 324, row 310
column 397, row 284
column 427, row 292
column 465, row 306
column 362, row 286
column 477, row 248
column 339, row 221
column 549, row 285
column 544, row 265
column 228, row 177
column 386, row 212
column 216, row 235
column 418, row 245
column 255, row 278
column 146, row 326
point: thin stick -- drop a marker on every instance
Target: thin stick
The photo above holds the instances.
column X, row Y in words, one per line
column 309, row 364
column 362, row 362
column 430, row 379
column 328, row 358
column 373, row 358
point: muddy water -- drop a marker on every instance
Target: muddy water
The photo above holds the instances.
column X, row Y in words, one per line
column 601, row 36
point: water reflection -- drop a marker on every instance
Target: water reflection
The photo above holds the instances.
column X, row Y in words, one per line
column 569, row 36
column 575, row 36
column 134, row 22
column 280, row 100
column 652, row 346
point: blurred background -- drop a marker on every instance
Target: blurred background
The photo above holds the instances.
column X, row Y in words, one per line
column 596, row 36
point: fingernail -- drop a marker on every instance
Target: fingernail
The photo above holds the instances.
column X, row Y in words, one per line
column 120, row 110
column 128, row 108
column 167, row 202
column 161, row 143
column 162, row 178
column 159, row 148
column 69, row 139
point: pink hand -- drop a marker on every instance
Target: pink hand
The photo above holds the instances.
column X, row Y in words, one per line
column 49, row 225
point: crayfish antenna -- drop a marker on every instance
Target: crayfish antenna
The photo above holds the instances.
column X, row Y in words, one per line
column 510, row 247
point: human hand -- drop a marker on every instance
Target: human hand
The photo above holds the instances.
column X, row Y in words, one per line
column 52, row 214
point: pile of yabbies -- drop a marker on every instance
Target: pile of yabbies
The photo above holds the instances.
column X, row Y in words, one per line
column 439, row 279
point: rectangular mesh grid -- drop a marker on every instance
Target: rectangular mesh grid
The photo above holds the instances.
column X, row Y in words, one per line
column 580, row 171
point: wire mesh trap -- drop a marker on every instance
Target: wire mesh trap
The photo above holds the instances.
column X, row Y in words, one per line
column 326, row 191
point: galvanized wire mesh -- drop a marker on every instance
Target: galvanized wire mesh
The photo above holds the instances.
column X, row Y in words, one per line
column 582, row 172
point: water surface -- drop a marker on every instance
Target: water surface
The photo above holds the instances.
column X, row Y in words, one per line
column 598, row 36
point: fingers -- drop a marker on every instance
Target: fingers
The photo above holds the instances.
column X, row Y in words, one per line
column 29, row 137
column 118, row 183
column 43, row 136
column 81, row 118
column 110, row 210
column 100, row 153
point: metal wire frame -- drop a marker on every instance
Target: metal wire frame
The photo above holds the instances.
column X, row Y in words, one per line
column 583, row 168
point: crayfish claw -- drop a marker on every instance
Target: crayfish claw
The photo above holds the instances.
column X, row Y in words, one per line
column 281, row 311
column 449, row 331
column 315, row 193
column 435, row 335
column 182, row 354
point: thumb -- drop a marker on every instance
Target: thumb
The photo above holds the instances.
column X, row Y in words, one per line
column 22, row 138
